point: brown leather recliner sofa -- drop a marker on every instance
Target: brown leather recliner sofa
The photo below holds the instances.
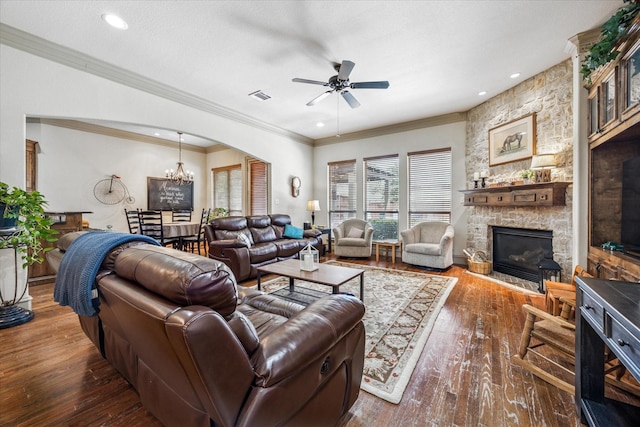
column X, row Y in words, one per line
column 265, row 242
column 201, row 351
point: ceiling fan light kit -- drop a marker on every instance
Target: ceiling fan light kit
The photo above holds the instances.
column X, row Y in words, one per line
column 340, row 83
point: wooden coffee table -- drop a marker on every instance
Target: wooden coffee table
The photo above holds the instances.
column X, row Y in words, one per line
column 330, row 275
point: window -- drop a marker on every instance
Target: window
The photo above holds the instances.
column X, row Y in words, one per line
column 258, row 187
column 342, row 191
column 227, row 189
column 381, row 191
column 429, row 186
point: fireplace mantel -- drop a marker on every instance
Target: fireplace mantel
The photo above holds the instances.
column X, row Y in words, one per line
column 540, row 194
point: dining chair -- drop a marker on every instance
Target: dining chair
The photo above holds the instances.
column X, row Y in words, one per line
column 151, row 225
column 197, row 240
column 180, row 215
column 133, row 220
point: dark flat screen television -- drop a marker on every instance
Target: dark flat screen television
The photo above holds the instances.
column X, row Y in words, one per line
column 630, row 223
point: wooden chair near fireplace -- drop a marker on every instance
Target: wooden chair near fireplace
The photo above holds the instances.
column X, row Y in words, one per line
column 556, row 291
column 547, row 350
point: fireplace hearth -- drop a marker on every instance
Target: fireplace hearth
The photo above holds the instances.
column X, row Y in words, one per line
column 518, row 251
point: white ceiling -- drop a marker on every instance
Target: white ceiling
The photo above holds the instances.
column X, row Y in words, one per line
column 437, row 55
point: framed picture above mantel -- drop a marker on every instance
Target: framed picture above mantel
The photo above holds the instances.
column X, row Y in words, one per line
column 513, row 141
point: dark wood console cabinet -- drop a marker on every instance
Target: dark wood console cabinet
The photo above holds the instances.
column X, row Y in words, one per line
column 540, row 194
column 63, row 223
column 607, row 314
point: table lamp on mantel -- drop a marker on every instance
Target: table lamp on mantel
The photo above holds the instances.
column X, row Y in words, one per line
column 313, row 206
column 541, row 164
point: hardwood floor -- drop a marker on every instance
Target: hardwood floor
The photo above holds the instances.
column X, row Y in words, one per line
column 51, row 374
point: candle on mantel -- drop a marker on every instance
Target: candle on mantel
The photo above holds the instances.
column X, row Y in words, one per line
column 476, row 176
column 484, row 174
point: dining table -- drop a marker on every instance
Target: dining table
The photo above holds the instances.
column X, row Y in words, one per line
column 180, row 230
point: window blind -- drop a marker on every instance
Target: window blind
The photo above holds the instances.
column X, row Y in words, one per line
column 430, row 188
column 342, row 191
column 381, row 194
column 227, row 189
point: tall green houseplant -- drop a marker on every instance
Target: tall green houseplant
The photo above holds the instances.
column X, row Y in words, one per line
column 30, row 226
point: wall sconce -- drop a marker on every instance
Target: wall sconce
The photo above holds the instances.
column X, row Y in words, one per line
column 313, row 206
column 542, row 163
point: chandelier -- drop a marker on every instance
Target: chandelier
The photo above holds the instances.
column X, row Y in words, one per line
column 179, row 177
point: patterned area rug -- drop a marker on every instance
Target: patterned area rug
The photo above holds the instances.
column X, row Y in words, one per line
column 401, row 308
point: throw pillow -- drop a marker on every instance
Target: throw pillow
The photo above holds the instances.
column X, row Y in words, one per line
column 312, row 233
column 355, row 232
column 292, row 232
column 242, row 238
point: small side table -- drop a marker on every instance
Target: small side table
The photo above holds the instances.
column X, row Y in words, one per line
column 391, row 245
column 327, row 231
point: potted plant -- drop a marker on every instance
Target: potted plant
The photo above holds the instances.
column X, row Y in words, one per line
column 28, row 227
column 24, row 228
column 217, row 213
column 527, row 175
column 612, row 32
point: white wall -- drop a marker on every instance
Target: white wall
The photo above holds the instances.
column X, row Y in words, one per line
column 35, row 87
column 449, row 135
column 71, row 162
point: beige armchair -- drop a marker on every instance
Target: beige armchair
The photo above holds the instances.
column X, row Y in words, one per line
column 428, row 244
column 353, row 238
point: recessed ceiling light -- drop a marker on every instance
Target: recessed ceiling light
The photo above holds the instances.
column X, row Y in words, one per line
column 482, row 93
column 515, row 75
column 115, row 21
column 157, row 134
column 320, row 124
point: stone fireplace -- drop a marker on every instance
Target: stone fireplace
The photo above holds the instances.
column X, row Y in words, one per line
column 549, row 95
column 518, row 251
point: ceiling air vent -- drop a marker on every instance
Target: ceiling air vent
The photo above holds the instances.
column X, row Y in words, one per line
column 259, row 95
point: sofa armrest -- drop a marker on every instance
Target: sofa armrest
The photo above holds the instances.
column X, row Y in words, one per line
column 368, row 234
column 447, row 237
column 213, row 358
column 337, row 233
column 296, row 343
column 234, row 254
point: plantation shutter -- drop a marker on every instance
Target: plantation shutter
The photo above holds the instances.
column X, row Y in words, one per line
column 258, row 191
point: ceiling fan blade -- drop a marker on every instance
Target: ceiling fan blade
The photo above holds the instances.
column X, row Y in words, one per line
column 351, row 100
column 313, row 82
column 319, row 98
column 369, row 85
column 345, row 70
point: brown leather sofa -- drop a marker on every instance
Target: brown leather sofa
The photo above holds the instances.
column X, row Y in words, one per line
column 266, row 242
column 201, row 351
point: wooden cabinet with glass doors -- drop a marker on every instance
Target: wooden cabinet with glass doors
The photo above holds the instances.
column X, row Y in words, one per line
column 614, row 138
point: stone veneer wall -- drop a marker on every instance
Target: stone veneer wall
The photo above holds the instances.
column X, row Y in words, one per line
column 549, row 95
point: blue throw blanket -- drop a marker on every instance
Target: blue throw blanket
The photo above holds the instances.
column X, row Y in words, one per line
column 76, row 277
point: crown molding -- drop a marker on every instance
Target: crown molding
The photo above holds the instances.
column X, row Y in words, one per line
column 43, row 48
column 395, row 128
column 116, row 133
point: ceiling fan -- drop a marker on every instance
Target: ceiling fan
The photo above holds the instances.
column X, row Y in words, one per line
column 340, row 83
